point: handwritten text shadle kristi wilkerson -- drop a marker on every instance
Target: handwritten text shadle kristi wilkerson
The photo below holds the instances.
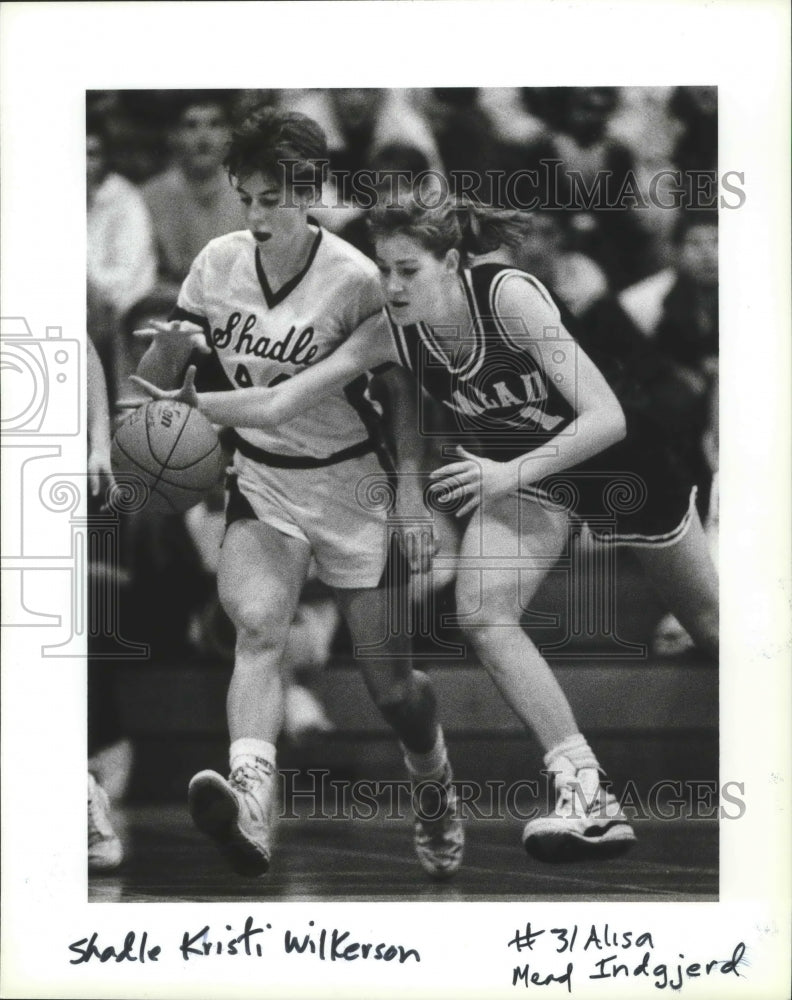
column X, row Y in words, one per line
column 253, row 941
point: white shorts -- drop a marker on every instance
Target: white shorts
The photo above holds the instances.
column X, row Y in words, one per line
column 337, row 509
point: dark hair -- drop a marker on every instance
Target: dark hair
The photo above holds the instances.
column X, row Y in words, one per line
column 468, row 227
column 181, row 101
column 286, row 145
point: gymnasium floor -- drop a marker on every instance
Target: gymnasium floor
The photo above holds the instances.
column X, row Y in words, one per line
column 356, row 860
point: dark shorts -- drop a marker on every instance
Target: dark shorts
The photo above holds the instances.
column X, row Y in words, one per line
column 641, row 491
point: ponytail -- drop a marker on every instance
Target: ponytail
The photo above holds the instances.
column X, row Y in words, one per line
column 485, row 229
column 469, row 227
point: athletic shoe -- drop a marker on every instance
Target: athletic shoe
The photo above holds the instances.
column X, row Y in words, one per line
column 112, row 768
column 587, row 822
column 670, row 638
column 439, row 834
column 237, row 814
column 104, row 848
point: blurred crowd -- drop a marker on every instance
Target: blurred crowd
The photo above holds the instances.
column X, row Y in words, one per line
column 620, row 187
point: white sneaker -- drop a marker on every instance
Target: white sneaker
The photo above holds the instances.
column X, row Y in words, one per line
column 104, row 848
column 238, row 814
column 587, row 821
column 112, row 767
column 670, row 638
column 439, row 835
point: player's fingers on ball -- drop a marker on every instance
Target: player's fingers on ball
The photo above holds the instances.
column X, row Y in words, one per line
column 198, row 342
column 148, row 387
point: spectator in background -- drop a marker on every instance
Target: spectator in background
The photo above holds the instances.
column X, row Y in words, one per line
column 664, row 331
column 192, row 202
column 359, row 124
column 696, row 108
column 573, row 160
column 465, row 137
column 121, row 264
column 575, row 279
column 111, row 752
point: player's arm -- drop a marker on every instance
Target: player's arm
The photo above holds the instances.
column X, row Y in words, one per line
column 416, row 536
column 599, row 420
column 187, row 331
column 172, row 344
column 368, row 347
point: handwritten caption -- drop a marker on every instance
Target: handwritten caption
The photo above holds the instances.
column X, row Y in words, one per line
column 598, row 952
column 254, row 941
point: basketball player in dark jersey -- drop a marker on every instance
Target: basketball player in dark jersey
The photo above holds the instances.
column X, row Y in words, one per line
column 259, row 306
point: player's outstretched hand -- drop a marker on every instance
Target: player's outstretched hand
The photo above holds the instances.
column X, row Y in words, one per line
column 175, row 333
column 186, row 394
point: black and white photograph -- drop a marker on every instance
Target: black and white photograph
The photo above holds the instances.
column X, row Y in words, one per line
column 369, row 532
column 508, row 338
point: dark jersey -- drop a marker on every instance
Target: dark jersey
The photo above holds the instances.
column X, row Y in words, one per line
column 503, row 405
column 501, row 400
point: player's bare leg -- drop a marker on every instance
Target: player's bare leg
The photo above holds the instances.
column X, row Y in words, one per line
column 406, row 700
column 490, row 603
column 586, row 820
column 260, row 576
column 684, row 575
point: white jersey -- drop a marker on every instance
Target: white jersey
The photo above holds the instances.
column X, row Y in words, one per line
column 261, row 338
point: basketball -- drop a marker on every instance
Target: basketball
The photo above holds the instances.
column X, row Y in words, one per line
column 174, row 450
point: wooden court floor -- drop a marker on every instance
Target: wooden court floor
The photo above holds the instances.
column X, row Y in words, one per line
column 356, row 860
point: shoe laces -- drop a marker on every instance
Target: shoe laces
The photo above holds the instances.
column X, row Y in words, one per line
column 247, row 777
column 434, row 801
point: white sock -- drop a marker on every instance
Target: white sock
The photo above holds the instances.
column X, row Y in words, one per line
column 576, row 750
column 257, row 753
column 429, row 765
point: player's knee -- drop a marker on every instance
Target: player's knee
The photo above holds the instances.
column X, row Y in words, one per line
column 492, row 604
column 258, row 625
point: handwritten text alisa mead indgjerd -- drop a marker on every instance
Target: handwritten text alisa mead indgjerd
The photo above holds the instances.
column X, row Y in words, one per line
column 597, row 951
column 323, row 944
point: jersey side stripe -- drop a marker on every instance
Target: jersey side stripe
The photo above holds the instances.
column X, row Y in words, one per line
column 401, row 343
column 495, row 289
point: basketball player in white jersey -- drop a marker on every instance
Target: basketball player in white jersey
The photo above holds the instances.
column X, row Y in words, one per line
column 258, row 307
